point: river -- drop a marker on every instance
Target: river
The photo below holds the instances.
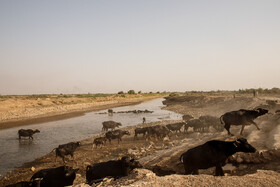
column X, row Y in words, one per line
column 14, row 153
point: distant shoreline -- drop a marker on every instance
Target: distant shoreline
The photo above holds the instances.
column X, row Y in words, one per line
column 67, row 115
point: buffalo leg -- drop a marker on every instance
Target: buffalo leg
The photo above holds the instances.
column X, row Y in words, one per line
column 256, row 125
column 242, row 128
column 219, row 171
column 119, row 140
column 227, row 128
column 195, row 172
column 188, row 171
column 72, row 155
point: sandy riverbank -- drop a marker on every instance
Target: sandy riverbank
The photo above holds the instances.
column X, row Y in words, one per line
column 19, row 110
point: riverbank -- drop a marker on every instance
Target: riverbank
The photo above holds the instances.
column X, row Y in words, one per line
column 17, row 111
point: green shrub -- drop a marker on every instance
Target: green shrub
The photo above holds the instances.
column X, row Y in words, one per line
column 131, row 92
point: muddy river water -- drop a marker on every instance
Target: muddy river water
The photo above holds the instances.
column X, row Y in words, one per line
column 13, row 153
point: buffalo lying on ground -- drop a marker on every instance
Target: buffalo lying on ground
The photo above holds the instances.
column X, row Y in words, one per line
column 213, row 153
column 116, row 134
column 113, row 168
column 34, row 183
column 241, row 117
column 66, row 149
column 110, row 125
column 56, row 177
column 27, row 133
column 99, row 141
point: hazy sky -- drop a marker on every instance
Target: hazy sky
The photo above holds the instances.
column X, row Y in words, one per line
column 106, row 46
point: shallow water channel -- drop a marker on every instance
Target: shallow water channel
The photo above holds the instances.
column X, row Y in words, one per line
column 13, row 153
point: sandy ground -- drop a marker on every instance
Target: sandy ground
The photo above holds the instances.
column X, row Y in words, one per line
column 162, row 157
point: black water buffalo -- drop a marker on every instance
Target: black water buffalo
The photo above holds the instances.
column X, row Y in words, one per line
column 110, row 125
column 196, row 124
column 110, row 112
column 116, row 134
column 213, row 153
column 175, row 126
column 56, row 177
column 35, row 183
column 27, row 133
column 99, row 141
column 143, row 131
column 211, row 121
column 113, row 168
column 158, row 131
column 241, row 117
column 187, row 117
column 66, row 149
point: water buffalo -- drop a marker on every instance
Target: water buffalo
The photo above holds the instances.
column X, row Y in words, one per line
column 113, row 168
column 110, row 125
column 35, row 183
column 99, row 141
column 241, row 117
column 116, row 134
column 175, row 126
column 56, row 177
column 110, row 112
column 196, row 124
column 66, row 149
column 158, row 131
column 140, row 131
column 27, row 133
column 213, row 153
column 187, row 117
column 211, row 121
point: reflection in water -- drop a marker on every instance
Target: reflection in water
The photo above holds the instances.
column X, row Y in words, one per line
column 25, row 143
column 14, row 152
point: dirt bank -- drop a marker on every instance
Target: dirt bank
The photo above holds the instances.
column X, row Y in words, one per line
column 162, row 157
column 19, row 110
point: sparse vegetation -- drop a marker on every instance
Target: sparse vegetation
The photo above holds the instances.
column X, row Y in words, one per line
column 173, row 94
column 131, row 92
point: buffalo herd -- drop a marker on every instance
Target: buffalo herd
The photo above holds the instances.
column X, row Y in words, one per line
column 213, row 153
